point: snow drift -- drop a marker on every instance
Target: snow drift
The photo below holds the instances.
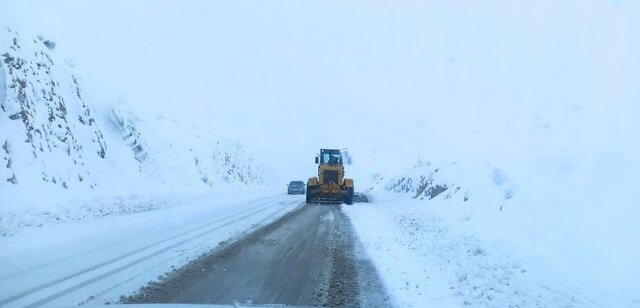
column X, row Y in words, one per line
column 577, row 234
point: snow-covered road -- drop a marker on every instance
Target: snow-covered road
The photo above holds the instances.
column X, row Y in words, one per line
column 423, row 255
column 95, row 262
column 307, row 258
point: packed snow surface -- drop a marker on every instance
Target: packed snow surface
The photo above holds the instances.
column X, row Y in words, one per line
column 96, row 262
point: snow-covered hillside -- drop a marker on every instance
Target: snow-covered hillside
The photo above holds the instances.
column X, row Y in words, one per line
column 57, row 145
column 48, row 128
column 496, row 239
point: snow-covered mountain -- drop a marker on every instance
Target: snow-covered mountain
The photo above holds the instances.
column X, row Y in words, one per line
column 58, row 144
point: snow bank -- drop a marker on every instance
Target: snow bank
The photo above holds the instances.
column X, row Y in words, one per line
column 429, row 255
column 576, row 234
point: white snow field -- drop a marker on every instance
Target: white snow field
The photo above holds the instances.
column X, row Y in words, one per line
column 467, row 234
column 96, row 262
column 497, row 139
column 430, row 260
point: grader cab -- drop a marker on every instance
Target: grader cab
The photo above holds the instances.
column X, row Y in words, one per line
column 330, row 186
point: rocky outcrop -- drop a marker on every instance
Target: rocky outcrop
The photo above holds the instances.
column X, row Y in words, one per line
column 50, row 135
column 47, row 127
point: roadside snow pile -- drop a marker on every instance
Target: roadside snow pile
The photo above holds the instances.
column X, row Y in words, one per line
column 428, row 185
column 474, row 234
column 430, row 255
column 428, row 180
column 64, row 157
column 78, row 210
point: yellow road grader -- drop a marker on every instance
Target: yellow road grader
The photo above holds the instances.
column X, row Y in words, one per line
column 330, row 186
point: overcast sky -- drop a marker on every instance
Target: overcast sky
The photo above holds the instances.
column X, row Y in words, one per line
column 288, row 77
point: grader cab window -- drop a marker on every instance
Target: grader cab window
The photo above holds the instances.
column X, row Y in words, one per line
column 331, row 158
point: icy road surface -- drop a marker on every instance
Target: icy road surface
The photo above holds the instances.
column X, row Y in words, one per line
column 309, row 257
column 96, row 262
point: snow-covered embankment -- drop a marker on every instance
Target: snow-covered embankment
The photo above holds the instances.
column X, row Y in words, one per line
column 66, row 157
column 472, row 234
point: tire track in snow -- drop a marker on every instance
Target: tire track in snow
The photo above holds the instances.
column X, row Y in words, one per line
column 260, row 208
column 85, row 253
column 263, row 222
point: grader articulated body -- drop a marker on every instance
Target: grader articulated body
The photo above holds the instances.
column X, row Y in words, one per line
column 330, row 186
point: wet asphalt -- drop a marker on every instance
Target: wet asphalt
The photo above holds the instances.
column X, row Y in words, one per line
column 309, row 257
